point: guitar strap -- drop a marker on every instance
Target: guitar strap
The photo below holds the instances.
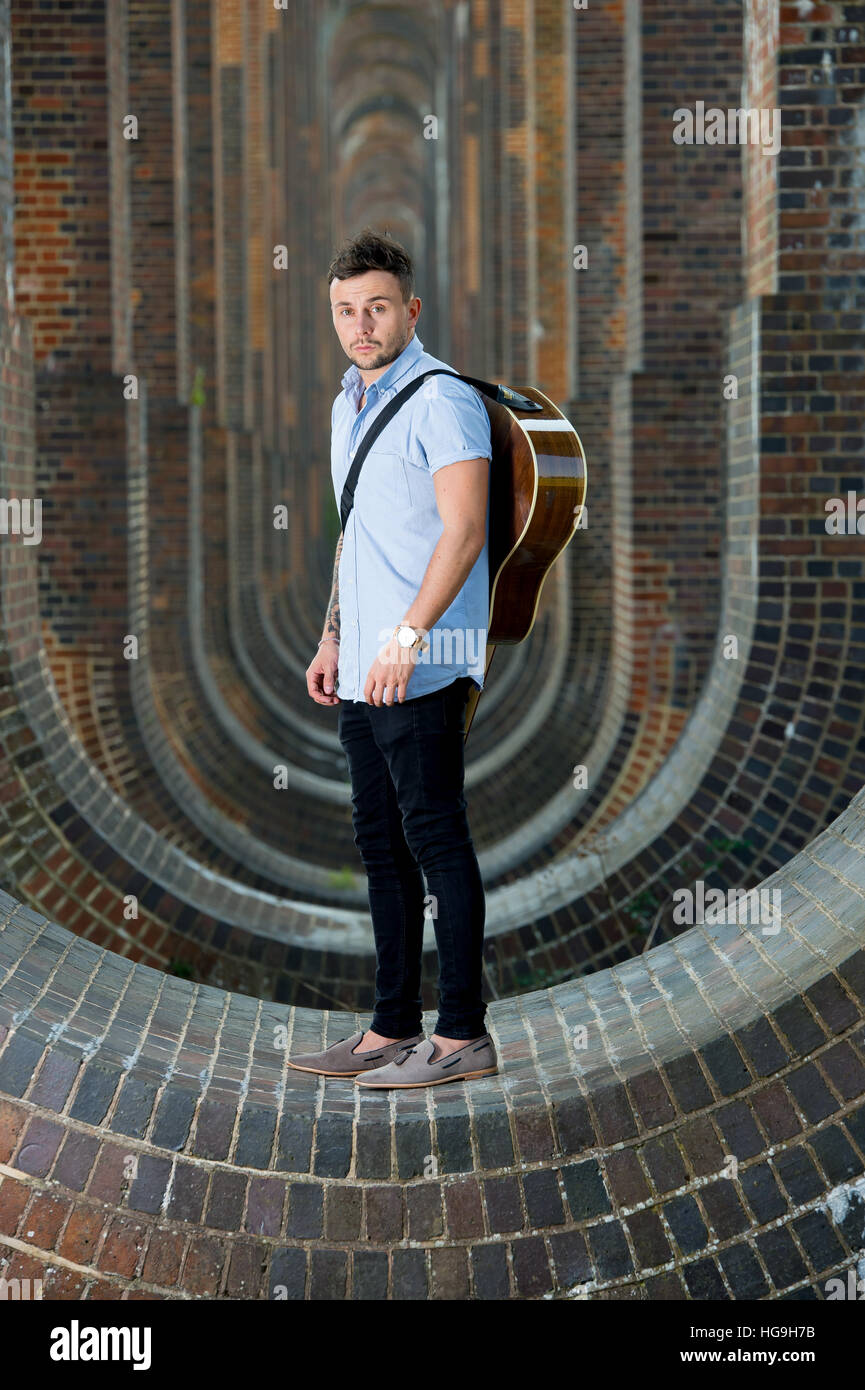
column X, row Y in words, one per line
column 503, row 394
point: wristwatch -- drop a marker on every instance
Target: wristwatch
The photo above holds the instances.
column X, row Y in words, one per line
column 409, row 637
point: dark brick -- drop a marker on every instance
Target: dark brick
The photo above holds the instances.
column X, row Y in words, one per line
column 495, row 1146
column 724, row 1062
column 305, row 1210
column 95, row 1093
column 574, row 1126
column 571, row 1258
column 504, row 1210
column 651, row 1246
column 834, row 1005
column 818, row 1240
column 543, row 1198
column 835, row 1155
column 532, row 1274
column 76, row 1160
column 585, row 1191
column 410, row 1275
column 775, row 1111
column 343, row 1212
column 295, row 1143
column 449, row 1274
column 255, row 1137
column 369, row 1275
column 781, row 1258
column 651, row 1099
column 463, row 1208
column 264, row 1207
column 615, row 1116
column 372, row 1149
column 174, row 1118
column 686, row 1223
column 213, row 1129
column 414, row 1147
column 134, row 1108
column 743, row 1273
column 811, row 1093
column 150, row 1183
column 704, row 1281
column 625, row 1178
column 39, row 1146
column 665, row 1288
column 288, row 1274
column 723, row 1209
column 332, row 1157
column 226, row 1202
column 55, row 1080
column 844, row 1070
column 328, row 1274
column 798, row 1024
column 687, row 1082
column 19, row 1062
column 699, row 1144
column 853, row 972
column 797, row 1172
column 761, row 1045
column 534, row 1134
column 244, row 1271
column 425, row 1211
column 490, row 1272
column 186, row 1202
column 664, row 1162
column 610, row 1251
column 454, row 1138
column 742, row 1138
column 762, row 1192
column 384, row 1216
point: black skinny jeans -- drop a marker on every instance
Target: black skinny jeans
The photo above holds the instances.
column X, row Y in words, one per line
column 409, row 814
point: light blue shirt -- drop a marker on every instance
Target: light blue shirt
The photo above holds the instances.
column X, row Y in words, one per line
column 395, row 525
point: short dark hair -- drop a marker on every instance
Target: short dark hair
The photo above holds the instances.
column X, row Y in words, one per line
column 370, row 251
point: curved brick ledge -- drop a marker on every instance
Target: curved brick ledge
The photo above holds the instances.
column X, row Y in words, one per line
column 155, row 1143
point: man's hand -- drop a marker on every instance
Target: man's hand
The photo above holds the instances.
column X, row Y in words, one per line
column 393, row 668
column 321, row 675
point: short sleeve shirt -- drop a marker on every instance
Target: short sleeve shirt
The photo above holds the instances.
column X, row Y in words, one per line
column 394, row 525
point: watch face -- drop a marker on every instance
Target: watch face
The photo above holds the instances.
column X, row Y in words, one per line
column 405, row 636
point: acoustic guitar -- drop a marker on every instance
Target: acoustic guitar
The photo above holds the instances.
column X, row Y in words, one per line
column 537, row 496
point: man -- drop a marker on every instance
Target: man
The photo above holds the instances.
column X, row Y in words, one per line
column 405, row 636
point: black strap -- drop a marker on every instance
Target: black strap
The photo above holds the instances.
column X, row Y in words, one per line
column 503, row 394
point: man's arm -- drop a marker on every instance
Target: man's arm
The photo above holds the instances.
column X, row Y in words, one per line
column 331, row 622
column 461, row 498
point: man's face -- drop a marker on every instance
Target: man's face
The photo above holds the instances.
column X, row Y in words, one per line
column 372, row 321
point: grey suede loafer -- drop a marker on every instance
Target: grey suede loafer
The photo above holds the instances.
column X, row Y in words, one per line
column 415, row 1066
column 340, row 1059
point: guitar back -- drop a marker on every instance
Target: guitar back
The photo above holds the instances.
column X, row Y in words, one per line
column 537, row 495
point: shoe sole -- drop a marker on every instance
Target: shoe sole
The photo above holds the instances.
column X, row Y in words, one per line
column 440, row 1081
column 318, row 1071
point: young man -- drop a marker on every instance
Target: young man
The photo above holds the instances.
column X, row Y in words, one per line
column 405, row 635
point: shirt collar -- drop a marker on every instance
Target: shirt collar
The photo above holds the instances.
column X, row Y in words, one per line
column 352, row 381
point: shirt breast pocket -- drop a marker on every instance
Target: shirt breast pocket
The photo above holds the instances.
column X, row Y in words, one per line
column 386, row 481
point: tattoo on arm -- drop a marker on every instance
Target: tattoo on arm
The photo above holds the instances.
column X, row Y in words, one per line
column 331, row 622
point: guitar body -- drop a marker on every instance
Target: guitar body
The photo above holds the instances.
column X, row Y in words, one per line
column 537, row 495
